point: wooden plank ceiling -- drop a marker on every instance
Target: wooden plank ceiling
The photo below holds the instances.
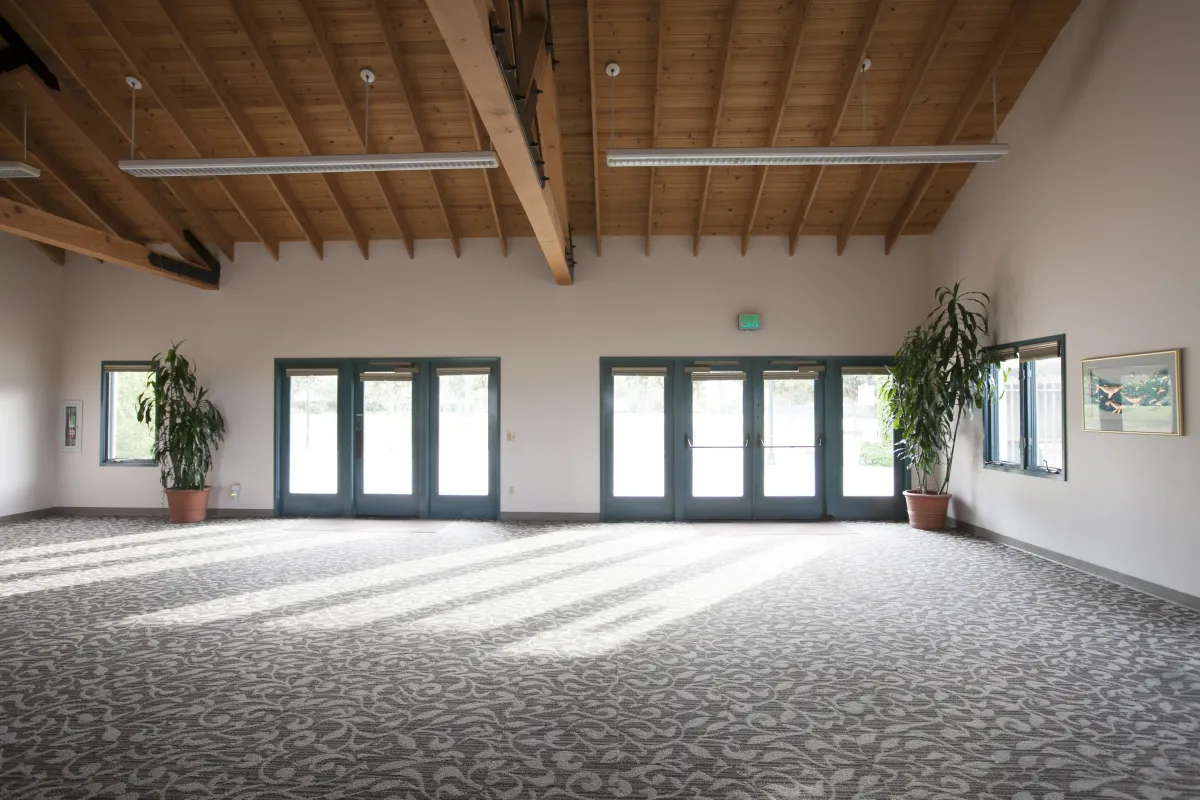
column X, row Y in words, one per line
column 280, row 77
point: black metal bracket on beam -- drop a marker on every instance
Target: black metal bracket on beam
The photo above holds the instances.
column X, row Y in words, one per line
column 211, row 261
column 518, row 57
column 570, row 253
column 209, row 277
column 19, row 54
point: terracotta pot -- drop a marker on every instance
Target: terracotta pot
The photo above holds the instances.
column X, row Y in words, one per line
column 927, row 512
column 188, row 505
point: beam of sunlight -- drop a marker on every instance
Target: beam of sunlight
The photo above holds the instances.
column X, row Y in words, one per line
column 140, row 551
column 544, row 597
column 38, row 551
column 413, row 598
column 82, row 577
column 608, row 629
column 267, row 599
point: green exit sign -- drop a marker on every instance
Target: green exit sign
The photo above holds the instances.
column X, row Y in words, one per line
column 749, row 322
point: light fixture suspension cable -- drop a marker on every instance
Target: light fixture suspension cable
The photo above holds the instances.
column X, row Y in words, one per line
column 368, row 77
column 865, row 67
column 134, row 84
column 995, row 111
column 24, row 125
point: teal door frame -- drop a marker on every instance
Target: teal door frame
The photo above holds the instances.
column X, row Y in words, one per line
column 350, row 501
column 676, row 504
column 688, row 507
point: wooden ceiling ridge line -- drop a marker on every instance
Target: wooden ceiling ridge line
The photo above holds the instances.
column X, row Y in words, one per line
column 657, row 106
column 140, row 64
column 260, row 52
column 410, row 103
column 466, row 28
column 344, row 92
column 237, row 117
column 851, row 80
column 790, row 60
column 56, row 254
column 74, row 65
column 726, row 56
column 108, row 217
column 934, row 41
column 488, row 177
column 1003, row 39
column 40, row 226
column 81, row 122
column 591, row 53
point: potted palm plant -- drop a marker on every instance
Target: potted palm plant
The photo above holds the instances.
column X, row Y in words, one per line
column 943, row 372
column 187, row 430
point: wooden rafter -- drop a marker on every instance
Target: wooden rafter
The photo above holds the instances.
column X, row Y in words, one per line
column 991, row 60
column 383, row 17
column 591, row 53
column 174, row 111
column 658, row 72
column 790, row 59
column 467, row 30
column 260, row 50
column 488, row 176
column 715, row 126
column 39, row 226
column 51, row 167
column 237, row 116
column 105, row 153
column 23, row 195
column 51, row 32
column 935, row 36
column 549, row 136
column 344, row 92
column 839, row 114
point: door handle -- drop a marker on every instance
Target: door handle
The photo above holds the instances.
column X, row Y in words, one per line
column 358, row 440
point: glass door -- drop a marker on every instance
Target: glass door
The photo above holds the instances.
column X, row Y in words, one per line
column 386, row 439
column 465, row 441
column 789, row 452
column 716, row 409
column 313, row 479
column 867, row 478
column 636, row 467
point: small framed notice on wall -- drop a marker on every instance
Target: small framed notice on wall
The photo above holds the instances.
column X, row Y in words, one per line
column 70, row 425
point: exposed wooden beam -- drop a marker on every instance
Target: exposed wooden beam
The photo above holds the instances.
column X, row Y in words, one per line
column 715, row 126
column 488, row 175
column 151, row 76
column 874, row 12
column 991, row 61
column 105, row 153
column 51, row 32
column 549, row 136
column 260, row 51
column 113, row 222
column 467, row 30
column 383, row 17
column 657, row 106
column 935, row 37
column 237, row 115
column 344, row 91
column 790, row 59
column 39, row 226
column 591, row 52
column 55, row 254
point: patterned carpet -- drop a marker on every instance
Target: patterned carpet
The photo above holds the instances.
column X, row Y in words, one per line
column 371, row 659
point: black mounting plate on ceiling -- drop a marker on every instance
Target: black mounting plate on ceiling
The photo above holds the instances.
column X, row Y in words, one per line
column 19, row 54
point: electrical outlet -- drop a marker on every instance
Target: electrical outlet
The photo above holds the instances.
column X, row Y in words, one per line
column 235, row 490
column 512, row 490
column 512, row 436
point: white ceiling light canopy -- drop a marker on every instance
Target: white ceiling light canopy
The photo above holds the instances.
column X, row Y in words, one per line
column 805, row 156
column 294, row 165
column 291, row 165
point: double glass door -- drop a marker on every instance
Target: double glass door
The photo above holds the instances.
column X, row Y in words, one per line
column 415, row 438
column 743, row 439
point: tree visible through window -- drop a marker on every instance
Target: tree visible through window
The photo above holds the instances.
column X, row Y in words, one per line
column 125, row 438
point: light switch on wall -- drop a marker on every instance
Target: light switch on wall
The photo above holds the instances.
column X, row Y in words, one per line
column 511, row 436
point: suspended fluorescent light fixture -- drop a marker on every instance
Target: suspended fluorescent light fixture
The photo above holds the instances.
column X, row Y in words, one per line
column 806, row 156
column 21, row 169
column 292, row 165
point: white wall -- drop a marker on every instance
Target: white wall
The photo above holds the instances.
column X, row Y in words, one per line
column 1091, row 227
column 549, row 338
column 29, row 360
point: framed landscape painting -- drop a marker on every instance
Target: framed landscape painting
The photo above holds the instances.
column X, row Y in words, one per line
column 1138, row 393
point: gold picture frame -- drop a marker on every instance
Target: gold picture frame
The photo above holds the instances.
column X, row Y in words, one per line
column 1138, row 393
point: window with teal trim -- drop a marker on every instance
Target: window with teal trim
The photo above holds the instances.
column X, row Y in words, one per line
column 124, row 440
column 1025, row 424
